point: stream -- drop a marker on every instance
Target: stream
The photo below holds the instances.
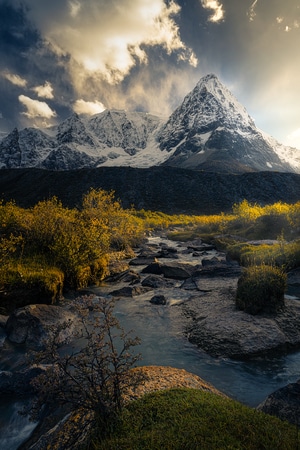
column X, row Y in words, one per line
column 161, row 329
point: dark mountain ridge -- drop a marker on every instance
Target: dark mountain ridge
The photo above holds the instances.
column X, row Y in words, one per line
column 168, row 189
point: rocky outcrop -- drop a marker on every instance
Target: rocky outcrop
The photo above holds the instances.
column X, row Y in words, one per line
column 216, row 326
column 35, row 324
column 284, row 403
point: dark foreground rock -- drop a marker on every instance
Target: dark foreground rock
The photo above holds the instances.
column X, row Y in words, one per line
column 284, row 403
column 158, row 300
column 35, row 324
column 18, row 383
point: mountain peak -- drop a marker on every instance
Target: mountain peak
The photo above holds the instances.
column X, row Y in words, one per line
column 210, row 131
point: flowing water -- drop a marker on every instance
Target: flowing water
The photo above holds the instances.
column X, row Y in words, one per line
column 161, row 329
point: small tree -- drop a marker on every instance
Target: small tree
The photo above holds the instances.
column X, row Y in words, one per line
column 95, row 376
column 261, row 289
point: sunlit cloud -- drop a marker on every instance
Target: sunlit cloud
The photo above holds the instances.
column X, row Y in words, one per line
column 217, row 7
column 36, row 108
column 252, row 13
column 110, row 38
column 74, row 7
column 15, row 79
column 89, row 108
column 293, row 139
column 45, row 91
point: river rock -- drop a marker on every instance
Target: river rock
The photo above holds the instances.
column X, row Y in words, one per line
column 158, row 300
column 284, row 403
column 32, row 325
column 157, row 281
column 168, row 252
column 18, row 383
column 3, row 320
column 174, row 270
column 130, row 291
column 142, row 260
column 128, row 276
column 217, row 327
column 214, row 261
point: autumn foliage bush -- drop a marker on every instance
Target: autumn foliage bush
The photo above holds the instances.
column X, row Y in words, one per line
column 76, row 241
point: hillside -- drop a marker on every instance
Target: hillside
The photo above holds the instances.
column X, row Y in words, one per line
column 168, row 189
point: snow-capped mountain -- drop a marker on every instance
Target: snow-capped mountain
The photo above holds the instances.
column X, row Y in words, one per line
column 210, row 130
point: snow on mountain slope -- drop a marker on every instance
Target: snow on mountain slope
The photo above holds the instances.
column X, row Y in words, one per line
column 26, row 148
column 209, row 131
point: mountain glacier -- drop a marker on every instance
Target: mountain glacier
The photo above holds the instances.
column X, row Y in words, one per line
column 209, row 131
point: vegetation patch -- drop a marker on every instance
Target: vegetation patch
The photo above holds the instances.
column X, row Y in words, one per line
column 76, row 247
column 261, row 290
column 191, row 419
column 28, row 282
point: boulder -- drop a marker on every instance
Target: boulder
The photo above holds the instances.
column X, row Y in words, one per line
column 218, row 269
column 158, row 300
column 174, row 270
column 214, row 261
column 130, row 291
column 142, row 260
column 284, row 403
column 32, row 325
column 157, row 281
column 3, row 320
column 217, row 327
column 19, row 383
column 128, row 276
column 168, row 252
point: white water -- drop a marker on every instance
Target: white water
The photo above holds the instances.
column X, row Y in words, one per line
column 14, row 428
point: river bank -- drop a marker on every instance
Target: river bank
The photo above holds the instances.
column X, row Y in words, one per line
column 165, row 328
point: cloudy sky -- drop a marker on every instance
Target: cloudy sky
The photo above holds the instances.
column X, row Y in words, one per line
column 61, row 56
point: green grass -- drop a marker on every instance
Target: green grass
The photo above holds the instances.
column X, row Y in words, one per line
column 192, row 419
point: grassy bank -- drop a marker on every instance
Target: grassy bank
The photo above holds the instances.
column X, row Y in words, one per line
column 179, row 419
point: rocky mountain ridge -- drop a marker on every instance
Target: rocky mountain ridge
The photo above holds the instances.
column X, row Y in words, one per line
column 209, row 131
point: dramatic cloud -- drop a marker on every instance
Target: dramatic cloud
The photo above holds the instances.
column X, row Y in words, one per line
column 217, row 7
column 252, row 13
column 45, row 91
column 293, row 139
column 146, row 55
column 15, row 79
column 89, row 108
column 109, row 37
column 35, row 108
